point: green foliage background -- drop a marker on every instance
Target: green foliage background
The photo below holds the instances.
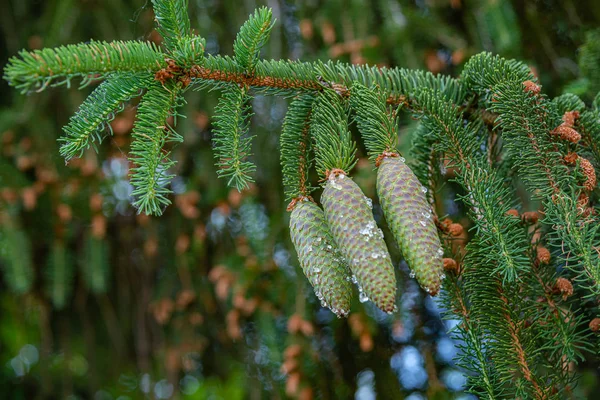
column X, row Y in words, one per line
column 98, row 302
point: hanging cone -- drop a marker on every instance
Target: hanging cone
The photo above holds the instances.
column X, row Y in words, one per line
column 319, row 257
column 350, row 219
column 409, row 217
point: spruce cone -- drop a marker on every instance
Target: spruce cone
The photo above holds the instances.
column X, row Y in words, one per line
column 409, row 218
column 351, row 222
column 319, row 258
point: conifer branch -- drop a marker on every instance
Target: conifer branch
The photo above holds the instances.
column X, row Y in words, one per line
column 589, row 126
column 474, row 355
column 150, row 174
column 377, row 124
column 172, row 20
column 295, row 148
column 526, row 119
column 502, row 247
column 87, row 126
column 39, row 69
column 232, row 145
column 334, row 147
column 252, row 37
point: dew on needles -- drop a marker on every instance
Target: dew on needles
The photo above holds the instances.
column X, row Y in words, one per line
column 501, row 267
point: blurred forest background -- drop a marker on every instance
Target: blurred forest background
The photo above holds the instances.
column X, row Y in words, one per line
column 208, row 301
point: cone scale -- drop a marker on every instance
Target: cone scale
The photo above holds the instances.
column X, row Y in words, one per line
column 408, row 215
column 319, row 257
column 350, row 219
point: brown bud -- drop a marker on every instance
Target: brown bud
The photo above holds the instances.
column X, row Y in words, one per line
column 306, row 393
column 571, row 158
column 185, row 298
column 292, row 351
column 530, row 217
column 570, row 117
column 564, row 287
column 589, row 172
column 151, row 247
column 595, row 324
column 64, row 212
column 512, row 212
column 455, row 229
column 366, row 342
column 182, row 243
column 292, row 383
column 450, row 265
column 543, row 255
column 294, row 323
column 289, row 366
column 532, row 87
column 445, row 224
column 29, row 196
column 96, row 201
column 98, row 226
column 567, row 133
column 307, row 328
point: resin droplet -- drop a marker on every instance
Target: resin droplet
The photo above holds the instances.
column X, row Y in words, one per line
column 412, row 274
column 362, row 297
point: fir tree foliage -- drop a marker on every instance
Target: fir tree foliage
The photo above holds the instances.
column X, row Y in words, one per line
column 86, row 128
column 231, row 140
column 172, row 21
column 252, row 37
column 377, row 125
column 487, row 204
column 518, row 337
column 295, row 148
column 527, row 121
column 334, row 147
column 40, row 69
column 150, row 174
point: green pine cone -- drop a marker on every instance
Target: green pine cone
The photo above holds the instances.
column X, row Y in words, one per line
column 409, row 217
column 319, row 258
column 348, row 213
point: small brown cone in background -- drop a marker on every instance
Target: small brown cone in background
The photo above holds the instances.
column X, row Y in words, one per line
column 543, row 255
column 595, row 324
column 564, row 287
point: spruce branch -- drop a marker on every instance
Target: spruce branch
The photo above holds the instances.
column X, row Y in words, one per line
column 589, row 126
column 526, row 120
column 378, row 125
column 232, row 144
column 39, row 69
column 473, row 355
column 334, row 147
column 425, row 159
column 252, row 37
column 502, row 310
column 295, row 148
column 489, row 202
column 173, row 21
column 87, row 126
column 150, row 174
